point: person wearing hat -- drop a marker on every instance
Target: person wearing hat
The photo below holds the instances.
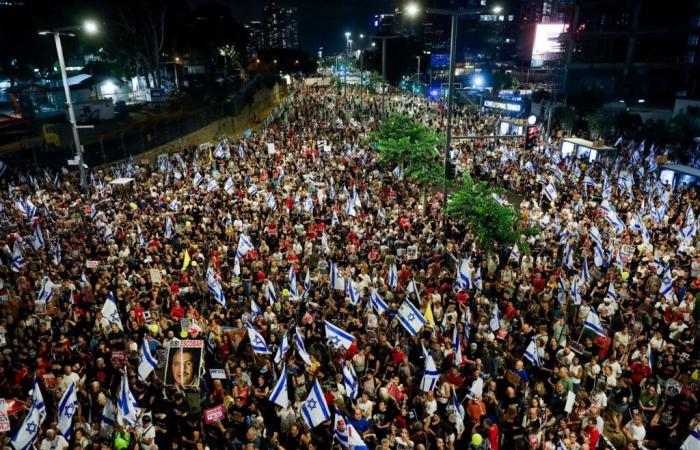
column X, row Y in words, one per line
column 147, row 434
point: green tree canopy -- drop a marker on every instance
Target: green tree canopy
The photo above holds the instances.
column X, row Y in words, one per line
column 492, row 222
column 413, row 146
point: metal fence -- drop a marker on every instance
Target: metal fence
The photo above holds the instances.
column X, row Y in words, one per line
column 140, row 138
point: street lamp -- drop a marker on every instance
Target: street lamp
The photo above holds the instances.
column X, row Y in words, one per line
column 347, row 62
column 90, row 27
column 412, row 10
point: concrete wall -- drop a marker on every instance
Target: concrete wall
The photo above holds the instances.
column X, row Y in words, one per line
column 263, row 102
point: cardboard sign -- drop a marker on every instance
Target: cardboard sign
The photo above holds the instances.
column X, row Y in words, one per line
column 40, row 308
column 4, row 419
column 215, row 414
column 92, row 264
column 118, row 357
column 217, row 374
column 271, row 148
column 49, row 381
column 205, row 146
column 412, row 252
column 155, row 276
column 627, row 252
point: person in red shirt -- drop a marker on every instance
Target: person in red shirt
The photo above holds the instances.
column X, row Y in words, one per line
column 493, row 433
column 640, row 370
column 177, row 311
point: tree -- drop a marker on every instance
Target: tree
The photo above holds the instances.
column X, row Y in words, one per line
column 566, row 117
column 413, row 147
column 492, row 222
column 601, row 124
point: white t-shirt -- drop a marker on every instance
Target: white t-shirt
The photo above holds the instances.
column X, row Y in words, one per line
column 59, row 443
column 637, row 432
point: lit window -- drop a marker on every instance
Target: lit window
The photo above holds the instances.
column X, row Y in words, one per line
column 693, row 40
column 691, row 57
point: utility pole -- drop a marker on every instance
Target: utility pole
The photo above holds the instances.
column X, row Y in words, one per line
column 384, row 39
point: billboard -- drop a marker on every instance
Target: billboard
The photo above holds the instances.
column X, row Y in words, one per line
column 548, row 45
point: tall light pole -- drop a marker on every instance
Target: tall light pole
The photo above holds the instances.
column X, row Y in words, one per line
column 418, row 71
column 91, row 28
column 384, row 39
column 413, row 10
column 347, row 51
column 175, row 63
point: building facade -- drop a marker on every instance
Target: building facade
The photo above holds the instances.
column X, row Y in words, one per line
column 280, row 26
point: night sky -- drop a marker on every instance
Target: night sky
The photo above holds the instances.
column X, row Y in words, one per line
column 321, row 22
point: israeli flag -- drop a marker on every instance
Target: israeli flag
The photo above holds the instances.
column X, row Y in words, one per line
column 127, row 409
column 598, row 255
column 531, row 353
column 307, row 283
column 616, row 222
column 280, row 395
column 110, row 311
column 315, row 409
column 252, row 190
column 393, row 277
column 324, row 244
column 254, row 308
column 271, row 295
column 66, row 409
column 353, row 292
column 611, row 293
column 57, row 253
column 38, row 237
column 457, row 347
column 495, row 322
column 430, row 374
column 18, row 260
column 270, row 200
column 592, row 323
column 398, row 172
column 83, row 280
column 198, row 178
column 464, row 277
column 46, row 292
column 556, row 171
column 478, row 282
column 350, row 380
column 575, row 294
column 337, row 282
column 282, row 350
column 588, row 181
column 215, row 288
column 515, row 253
column 139, row 233
column 212, row 185
column 175, row 204
column 338, row 337
column 26, row 435
column 228, row 186
column 219, row 152
column 147, row 363
column 308, row 204
column 377, row 302
column 301, row 348
column 3, row 168
column 584, row 269
column 568, row 257
column 244, row 245
column 666, row 288
column 257, row 341
column 168, row 227
column 411, row 319
column 293, row 282
column 334, row 219
column 550, row 192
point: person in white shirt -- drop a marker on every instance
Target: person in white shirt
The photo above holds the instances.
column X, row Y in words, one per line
column 634, row 430
column 68, row 378
column 148, row 434
column 52, row 441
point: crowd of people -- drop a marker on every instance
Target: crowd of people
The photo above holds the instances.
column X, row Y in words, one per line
column 583, row 336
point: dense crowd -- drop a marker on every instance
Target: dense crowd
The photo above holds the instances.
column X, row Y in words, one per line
column 587, row 340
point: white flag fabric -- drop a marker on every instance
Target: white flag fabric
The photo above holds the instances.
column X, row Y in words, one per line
column 350, row 380
column 430, row 374
column 282, row 350
column 666, row 288
column 279, row 395
column 393, row 277
column 127, row 409
column 495, row 322
column 531, row 353
column 244, row 245
column 346, row 434
column 315, row 409
column 301, row 348
column 293, row 282
column 147, row 363
column 26, row 435
column 257, row 341
column 411, row 319
column 110, row 312
column 66, row 409
column 592, row 323
column 377, row 302
column 338, row 337
column 692, row 442
column 214, row 286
